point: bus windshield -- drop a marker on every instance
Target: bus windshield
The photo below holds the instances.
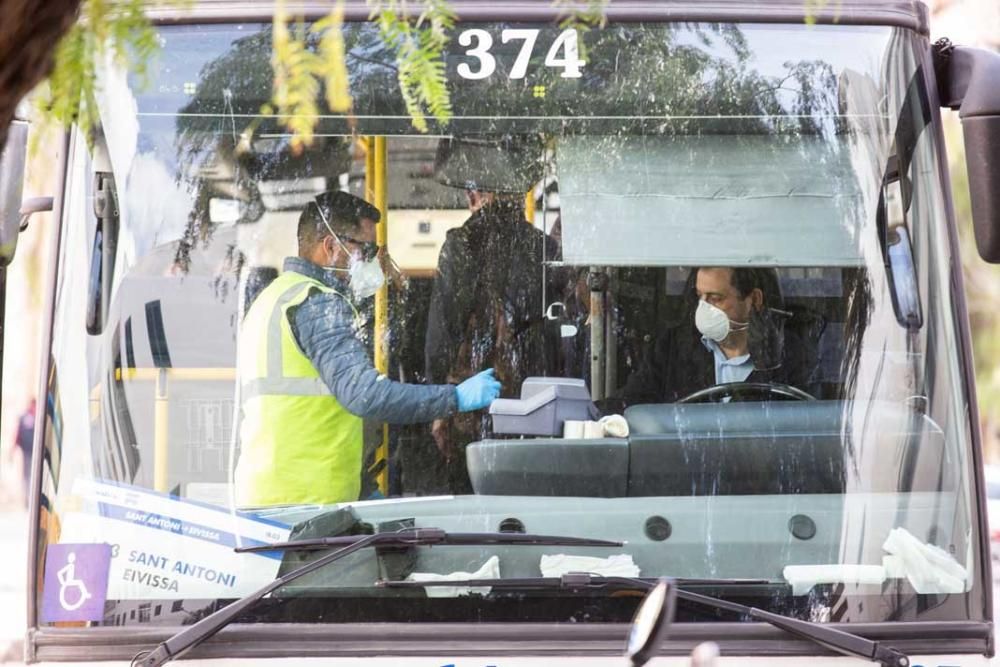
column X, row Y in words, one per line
column 707, row 264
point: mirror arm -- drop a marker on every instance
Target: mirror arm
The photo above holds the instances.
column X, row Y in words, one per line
column 948, row 93
column 967, row 79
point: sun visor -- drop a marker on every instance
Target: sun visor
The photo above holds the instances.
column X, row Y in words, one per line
column 724, row 200
column 510, row 165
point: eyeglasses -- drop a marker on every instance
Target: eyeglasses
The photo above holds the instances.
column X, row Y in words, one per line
column 369, row 249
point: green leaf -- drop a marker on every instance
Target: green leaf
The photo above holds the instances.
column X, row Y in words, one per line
column 419, row 50
column 119, row 28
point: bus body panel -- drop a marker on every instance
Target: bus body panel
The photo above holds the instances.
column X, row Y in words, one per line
column 890, row 14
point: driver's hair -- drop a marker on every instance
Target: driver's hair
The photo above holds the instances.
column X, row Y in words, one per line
column 745, row 279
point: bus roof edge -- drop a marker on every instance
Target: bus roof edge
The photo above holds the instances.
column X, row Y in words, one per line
column 908, row 14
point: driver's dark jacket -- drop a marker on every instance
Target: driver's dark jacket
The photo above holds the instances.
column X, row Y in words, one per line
column 679, row 364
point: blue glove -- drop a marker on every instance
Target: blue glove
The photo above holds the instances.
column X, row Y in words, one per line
column 478, row 391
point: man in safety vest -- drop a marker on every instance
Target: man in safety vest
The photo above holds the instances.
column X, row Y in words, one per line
column 305, row 378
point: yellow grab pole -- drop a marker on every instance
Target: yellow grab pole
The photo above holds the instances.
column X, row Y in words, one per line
column 381, row 238
column 369, row 144
column 378, row 157
column 161, row 433
column 529, row 206
column 176, row 374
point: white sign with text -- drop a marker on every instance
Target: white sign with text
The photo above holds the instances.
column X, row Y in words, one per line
column 166, row 547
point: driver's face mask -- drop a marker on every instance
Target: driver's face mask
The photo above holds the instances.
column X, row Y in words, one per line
column 366, row 277
column 713, row 323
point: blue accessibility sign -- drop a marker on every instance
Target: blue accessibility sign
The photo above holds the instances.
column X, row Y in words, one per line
column 76, row 582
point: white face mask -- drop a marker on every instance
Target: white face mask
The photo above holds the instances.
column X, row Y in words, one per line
column 713, row 323
column 366, row 277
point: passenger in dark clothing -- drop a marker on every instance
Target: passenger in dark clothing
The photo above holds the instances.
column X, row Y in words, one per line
column 486, row 306
column 487, row 301
column 740, row 331
column 487, row 297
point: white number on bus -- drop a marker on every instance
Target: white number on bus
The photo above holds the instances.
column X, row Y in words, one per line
column 570, row 60
column 564, row 53
column 528, row 38
column 487, row 63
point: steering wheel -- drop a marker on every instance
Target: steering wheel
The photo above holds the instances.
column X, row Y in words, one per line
column 735, row 389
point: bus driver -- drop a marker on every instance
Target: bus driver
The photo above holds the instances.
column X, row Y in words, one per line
column 737, row 334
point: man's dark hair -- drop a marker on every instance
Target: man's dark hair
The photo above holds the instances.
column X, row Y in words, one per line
column 745, row 280
column 343, row 212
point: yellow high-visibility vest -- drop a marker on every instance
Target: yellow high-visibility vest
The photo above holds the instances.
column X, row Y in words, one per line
column 298, row 445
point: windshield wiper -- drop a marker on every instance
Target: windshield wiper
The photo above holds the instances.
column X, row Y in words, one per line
column 208, row 626
column 836, row 640
column 430, row 537
column 840, row 641
column 568, row 581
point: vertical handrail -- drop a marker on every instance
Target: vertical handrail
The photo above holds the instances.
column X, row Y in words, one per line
column 369, row 147
column 382, row 296
column 610, row 336
column 379, row 190
column 161, row 433
column 598, row 286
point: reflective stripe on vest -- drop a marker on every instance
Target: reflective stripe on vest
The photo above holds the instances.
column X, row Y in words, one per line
column 298, row 444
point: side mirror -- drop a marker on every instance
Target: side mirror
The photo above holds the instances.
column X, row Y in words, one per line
column 12, row 162
column 969, row 80
column 651, row 622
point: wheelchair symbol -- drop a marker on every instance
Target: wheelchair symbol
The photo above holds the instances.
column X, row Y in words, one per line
column 68, row 582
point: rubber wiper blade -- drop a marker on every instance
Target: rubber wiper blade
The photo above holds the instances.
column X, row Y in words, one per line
column 834, row 639
column 430, row 537
column 190, row 637
column 568, row 581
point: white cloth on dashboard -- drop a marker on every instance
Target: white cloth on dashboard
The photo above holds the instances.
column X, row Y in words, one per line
column 619, row 565
column 489, row 570
column 615, row 426
column 930, row 569
column 803, row 577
